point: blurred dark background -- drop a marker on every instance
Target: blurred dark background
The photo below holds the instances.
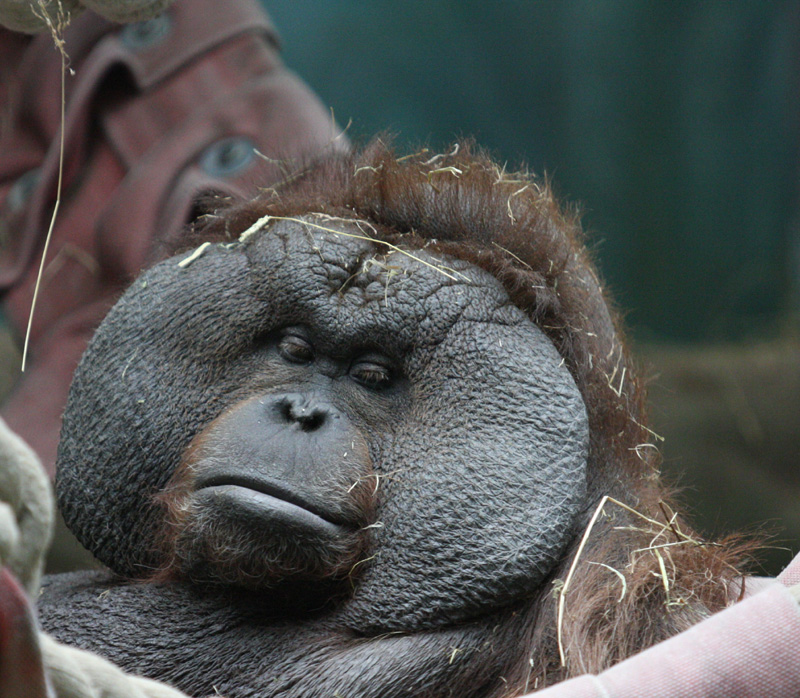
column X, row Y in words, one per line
column 675, row 126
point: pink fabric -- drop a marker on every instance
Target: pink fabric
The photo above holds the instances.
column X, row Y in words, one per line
column 791, row 575
column 750, row 650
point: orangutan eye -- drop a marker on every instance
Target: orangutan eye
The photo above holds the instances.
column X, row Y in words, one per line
column 371, row 374
column 296, row 349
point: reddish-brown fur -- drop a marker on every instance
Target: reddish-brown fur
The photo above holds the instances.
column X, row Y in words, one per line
column 462, row 204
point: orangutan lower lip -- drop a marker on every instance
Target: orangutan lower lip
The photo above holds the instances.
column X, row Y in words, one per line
column 274, row 490
column 254, row 508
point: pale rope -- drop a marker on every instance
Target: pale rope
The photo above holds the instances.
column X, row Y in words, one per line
column 75, row 673
column 26, row 516
column 26, row 510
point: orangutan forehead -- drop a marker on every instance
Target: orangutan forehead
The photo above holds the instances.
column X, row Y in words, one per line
column 357, row 247
column 340, row 263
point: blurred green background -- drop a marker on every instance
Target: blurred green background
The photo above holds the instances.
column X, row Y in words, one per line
column 675, row 126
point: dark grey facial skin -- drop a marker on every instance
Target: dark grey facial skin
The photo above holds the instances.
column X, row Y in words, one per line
column 472, row 434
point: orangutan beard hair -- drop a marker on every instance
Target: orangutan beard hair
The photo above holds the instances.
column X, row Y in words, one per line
column 213, row 545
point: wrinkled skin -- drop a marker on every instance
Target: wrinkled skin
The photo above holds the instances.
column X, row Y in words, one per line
column 386, row 424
